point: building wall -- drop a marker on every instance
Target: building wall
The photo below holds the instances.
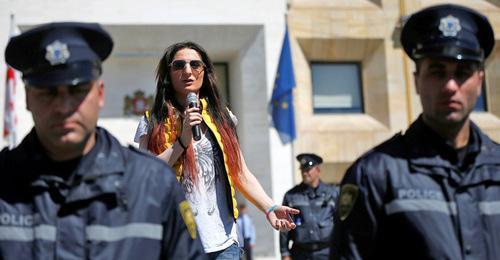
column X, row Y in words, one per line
column 368, row 32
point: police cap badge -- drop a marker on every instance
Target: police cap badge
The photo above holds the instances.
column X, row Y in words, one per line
column 66, row 53
column 308, row 160
column 448, row 31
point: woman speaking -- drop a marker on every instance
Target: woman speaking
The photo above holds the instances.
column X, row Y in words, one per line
column 211, row 168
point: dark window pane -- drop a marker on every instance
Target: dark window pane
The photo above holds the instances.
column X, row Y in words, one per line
column 336, row 88
column 221, row 73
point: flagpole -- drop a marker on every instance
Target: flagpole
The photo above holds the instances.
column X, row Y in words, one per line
column 282, row 131
column 283, row 113
column 292, row 143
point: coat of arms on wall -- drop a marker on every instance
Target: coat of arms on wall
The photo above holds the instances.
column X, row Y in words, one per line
column 137, row 104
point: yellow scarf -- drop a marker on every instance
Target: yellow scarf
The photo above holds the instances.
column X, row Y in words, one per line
column 207, row 118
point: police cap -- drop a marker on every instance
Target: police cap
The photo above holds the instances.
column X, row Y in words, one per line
column 448, row 31
column 308, row 160
column 64, row 53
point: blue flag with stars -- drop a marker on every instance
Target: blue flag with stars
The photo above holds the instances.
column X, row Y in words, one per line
column 282, row 111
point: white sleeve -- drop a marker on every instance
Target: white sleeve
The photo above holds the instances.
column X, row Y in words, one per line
column 142, row 129
column 233, row 117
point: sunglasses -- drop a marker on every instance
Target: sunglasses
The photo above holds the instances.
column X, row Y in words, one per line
column 196, row 65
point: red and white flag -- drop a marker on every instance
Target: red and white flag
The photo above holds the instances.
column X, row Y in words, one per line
column 10, row 115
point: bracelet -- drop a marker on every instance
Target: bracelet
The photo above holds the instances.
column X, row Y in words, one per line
column 271, row 209
column 181, row 144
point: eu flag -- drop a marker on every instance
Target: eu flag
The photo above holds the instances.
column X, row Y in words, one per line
column 282, row 99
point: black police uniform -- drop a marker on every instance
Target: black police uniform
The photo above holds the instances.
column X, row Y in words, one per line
column 315, row 222
column 415, row 196
column 111, row 203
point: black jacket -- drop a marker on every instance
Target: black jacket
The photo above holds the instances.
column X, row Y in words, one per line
column 409, row 199
column 113, row 203
column 315, row 220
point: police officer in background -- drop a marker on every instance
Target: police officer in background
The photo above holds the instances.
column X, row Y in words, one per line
column 69, row 190
column 316, row 202
column 434, row 191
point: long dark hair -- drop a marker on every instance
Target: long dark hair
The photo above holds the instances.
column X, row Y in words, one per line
column 166, row 106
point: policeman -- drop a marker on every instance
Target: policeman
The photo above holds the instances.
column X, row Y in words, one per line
column 316, row 202
column 434, row 191
column 69, row 190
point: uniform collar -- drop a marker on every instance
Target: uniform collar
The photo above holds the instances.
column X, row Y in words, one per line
column 425, row 150
column 104, row 158
column 321, row 187
column 97, row 173
column 313, row 192
column 430, row 149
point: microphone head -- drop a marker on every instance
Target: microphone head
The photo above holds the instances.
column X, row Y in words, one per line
column 192, row 98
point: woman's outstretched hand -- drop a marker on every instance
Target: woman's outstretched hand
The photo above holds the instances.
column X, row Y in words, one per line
column 280, row 218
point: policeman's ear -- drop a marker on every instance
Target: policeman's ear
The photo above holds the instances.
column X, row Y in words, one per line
column 100, row 92
column 416, row 73
column 415, row 76
column 482, row 78
column 482, row 74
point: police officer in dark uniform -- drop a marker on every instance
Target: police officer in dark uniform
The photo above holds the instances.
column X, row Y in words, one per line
column 69, row 190
column 434, row 191
column 316, row 202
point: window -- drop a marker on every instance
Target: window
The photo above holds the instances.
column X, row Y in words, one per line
column 481, row 100
column 336, row 87
column 222, row 80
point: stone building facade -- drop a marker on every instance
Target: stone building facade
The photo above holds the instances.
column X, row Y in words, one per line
column 366, row 33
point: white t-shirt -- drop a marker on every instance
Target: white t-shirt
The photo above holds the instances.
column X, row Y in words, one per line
column 209, row 199
column 142, row 129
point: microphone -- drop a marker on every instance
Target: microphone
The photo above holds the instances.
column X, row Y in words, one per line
column 192, row 101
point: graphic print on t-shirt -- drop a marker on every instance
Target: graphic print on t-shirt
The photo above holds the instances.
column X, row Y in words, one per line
column 204, row 201
column 209, row 196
